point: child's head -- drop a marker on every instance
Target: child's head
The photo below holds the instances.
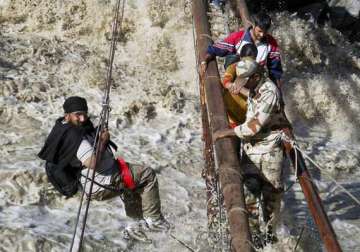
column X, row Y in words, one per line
column 249, row 50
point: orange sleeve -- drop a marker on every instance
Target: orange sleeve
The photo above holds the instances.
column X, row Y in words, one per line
column 229, row 75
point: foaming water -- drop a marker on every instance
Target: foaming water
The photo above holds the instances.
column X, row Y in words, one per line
column 54, row 50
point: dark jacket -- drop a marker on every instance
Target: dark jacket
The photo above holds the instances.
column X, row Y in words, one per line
column 59, row 152
column 62, row 167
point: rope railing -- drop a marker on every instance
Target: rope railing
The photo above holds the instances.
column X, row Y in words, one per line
column 315, row 164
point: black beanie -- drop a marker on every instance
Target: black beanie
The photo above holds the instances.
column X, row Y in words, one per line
column 75, row 103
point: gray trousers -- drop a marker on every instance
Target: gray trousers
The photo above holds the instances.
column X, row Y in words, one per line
column 144, row 200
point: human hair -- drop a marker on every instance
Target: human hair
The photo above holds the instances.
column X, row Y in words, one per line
column 262, row 20
column 249, row 50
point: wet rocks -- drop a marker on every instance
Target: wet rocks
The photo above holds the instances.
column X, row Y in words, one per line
column 127, row 29
column 159, row 11
column 174, row 99
column 343, row 15
column 163, row 55
column 22, row 188
column 137, row 111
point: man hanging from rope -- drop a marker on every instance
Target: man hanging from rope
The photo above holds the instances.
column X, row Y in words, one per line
column 69, row 148
column 261, row 133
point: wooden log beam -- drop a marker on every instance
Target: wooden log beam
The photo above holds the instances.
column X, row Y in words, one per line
column 227, row 157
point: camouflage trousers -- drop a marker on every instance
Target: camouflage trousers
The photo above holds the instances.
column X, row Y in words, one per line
column 263, row 187
column 144, row 200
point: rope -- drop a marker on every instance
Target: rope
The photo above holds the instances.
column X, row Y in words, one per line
column 296, row 164
column 220, row 215
column 219, row 202
column 328, row 174
column 296, row 147
column 81, row 203
column 211, row 76
column 182, row 243
column 104, row 119
column 110, row 188
column 239, row 209
column 299, row 238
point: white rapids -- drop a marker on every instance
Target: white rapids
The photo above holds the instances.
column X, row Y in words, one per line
column 53, row 49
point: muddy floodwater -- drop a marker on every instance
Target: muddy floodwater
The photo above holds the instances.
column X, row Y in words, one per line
column 53, row 49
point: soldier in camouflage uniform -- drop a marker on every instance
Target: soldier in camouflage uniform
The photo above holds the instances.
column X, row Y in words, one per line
column 261, row 135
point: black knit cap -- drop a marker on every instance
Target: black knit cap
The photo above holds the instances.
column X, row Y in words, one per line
column 75, row 103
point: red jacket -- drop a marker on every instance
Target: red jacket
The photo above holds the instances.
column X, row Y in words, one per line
column 268, row 50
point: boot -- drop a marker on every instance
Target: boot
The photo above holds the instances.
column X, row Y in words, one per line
column 134, row 231
column 270, row 237
column 258, row 241
column 157, row 224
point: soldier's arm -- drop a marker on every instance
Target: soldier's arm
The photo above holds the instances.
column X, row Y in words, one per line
column 223, row 133
column 233, row 83
column 241, row 89
column 262, row 115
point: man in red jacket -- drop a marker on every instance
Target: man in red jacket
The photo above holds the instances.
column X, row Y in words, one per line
column 268, row 50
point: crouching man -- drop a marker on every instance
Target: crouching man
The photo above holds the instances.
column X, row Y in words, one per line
column 70, row 155
column 263, row 153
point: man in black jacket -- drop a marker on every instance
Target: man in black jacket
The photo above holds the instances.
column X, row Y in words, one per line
column 70, row 147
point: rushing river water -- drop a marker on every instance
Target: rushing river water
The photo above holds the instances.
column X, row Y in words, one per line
column 53, row 49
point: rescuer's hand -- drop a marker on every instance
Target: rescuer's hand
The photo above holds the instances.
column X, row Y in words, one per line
column 223, row 133
column 203, row 67
column 234, row 88
column 204, row 64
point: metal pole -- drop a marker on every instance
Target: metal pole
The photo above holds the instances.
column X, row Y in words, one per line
column 230, row 177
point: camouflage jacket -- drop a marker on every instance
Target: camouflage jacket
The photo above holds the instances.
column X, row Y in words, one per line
column 265, row 118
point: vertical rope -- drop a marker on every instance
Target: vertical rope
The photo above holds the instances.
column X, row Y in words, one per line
column 104, row 120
